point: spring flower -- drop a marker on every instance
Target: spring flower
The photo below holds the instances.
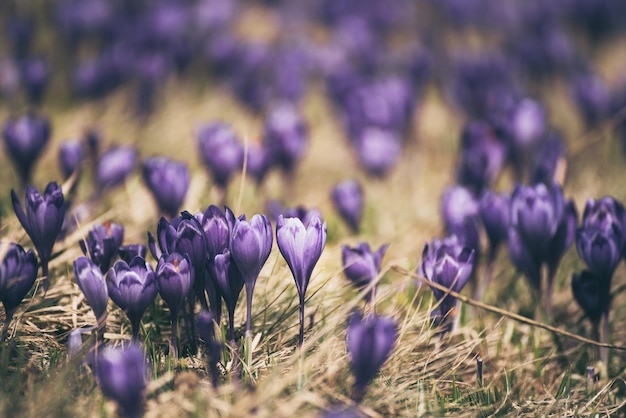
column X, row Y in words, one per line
column 102, row 244
column 229, row 281
column 92, row 284
column 25, row 138
column 482, row 156
column 285, row 135
column 361, row 266
column 130, row 251
column 250, row 247
column 370, row 342
column 114, row 166
column 378, row 150
column 348, row 200
column 168, row 180
column 301, row 248
column 42, row 220
column 133, row 287
column 220, row 150
column 18, row 271
column 494, row 213
column 122, row 375
column 71, row 156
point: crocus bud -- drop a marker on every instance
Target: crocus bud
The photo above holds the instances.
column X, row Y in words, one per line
column 25, row 138
column 494, row 212
column 348, row 200
column 102, row 244
column 370, row 342
column 360, row 265
column 378, row 150
column 18, row 272
column 601, row 251
column 115, row 165
column 259, row 162
column 229, row 282
column 71, row 156
column 301, row 248
column 168, row 180
column 482, row 156
column 42, row 220
column 285, row 135
column 220, row 150
column 92, row 284
column 216, row 230
column 174, row 278
column 592, row 294
column 35, row 75
column 250, row 246
column 448, row 263
column 130, row 251
column 133, row 287
column 606, row 214
column 122, row 375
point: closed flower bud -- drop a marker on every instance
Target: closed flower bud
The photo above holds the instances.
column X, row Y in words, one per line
column 92, row 284
column 348, row 200
column 360, row 265
column 25, row 138
column 168, row 180
column 592, row 294
column 378, row 150
column 102, row 244
column 285, row 135
column 133, row 287
column 494, row 212
column 220, row 150
column 115, row 165
column 174, row 278
column 71, row 156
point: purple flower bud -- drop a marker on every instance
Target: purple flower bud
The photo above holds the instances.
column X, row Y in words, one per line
column 348, row 200
column 285, row 135
column 132, row 287
column 71, row 156
column 600, row 251
column 606, row 214
column 482, row 156
column 115, row 165
column 122, row 374
column 592, row 96
column 92, row 284
column 259, row 162
column 25, row 138
column 216, row 230
column 301, row 248
column 592, row 294
column 221, row 151
column 102, row 244
column 522, row 258
column 168, row 180
column 229, row 281
column 128, row 252
column 175, row 279
column 494, row 212
column 42, row 220
column 18, row 271
column 35, row 75
column 378, row 150
column 250, row 247
column 549, row 161
column 370, row 342
column 528, row 123
column 360, row 265
column 458, row 204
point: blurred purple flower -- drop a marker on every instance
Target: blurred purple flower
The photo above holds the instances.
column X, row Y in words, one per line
column 115, row 165
column 102, row 244
column 25, row 138
column 133, row 287
column 168, row 180
column 361, row 266
column 71, row 157
column 92, row 284
column 592, row 96
column 285, row 135
column 259, row 161
column 482, row 156
column 206, row 329
column 592, row 294
column 34, row 77
column 378, row 150
column 42, row 220
column 220, row 150
column 494, row 212
column 348, row 199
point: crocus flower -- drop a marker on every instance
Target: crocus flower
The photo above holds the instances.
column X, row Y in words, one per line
column 348, row 200
column 220, row 150
column 258, row 162
column 448, row 263
column 378, row 150
column 102, row 244
column 130, row 251
column 285, row 135
column 35, row 76
column 370, row 342
column 175, row 280
column 459, row 207
column 250, row 246
column 114, row 166
column 206, row 329
column 592, row 294
column 42, row 220
column 133, row 287
column 122, row 375
column 71, row 156
column 494, row 212
column 168, row 180
column 361, row 266
column 92, row 284
column 301, row 248
column 229, row 282
column 25, row 138
column 543, row 225
column 18, row 271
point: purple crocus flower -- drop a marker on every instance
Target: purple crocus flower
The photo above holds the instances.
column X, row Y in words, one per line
column 18, row 271
column 133, row 287
column 361, row 266
column 285, row 135
column 494, row 212
column 229, row 282
column 115, row 165
column 459, row 207
column 592, row 96
column 42, row 220
column 378, row 150
column 250, row 246
column 175, row 279
column 259, row 161
column 370, row 342
column 71, row 156
column 593, row 295
column 25, row 138
column 450, row 264
column 482, row 156
column 543, row 226
column 348, row 200
column 130, row 251
column 35, row 75
column 220, row 150
column 168, row 180
column 92, row 284
column 122, row 375
column 102, row 244
column 301, row 247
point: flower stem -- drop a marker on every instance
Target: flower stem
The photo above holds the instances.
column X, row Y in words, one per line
column 44, row 274
column 174, row 339
column 301, row 335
